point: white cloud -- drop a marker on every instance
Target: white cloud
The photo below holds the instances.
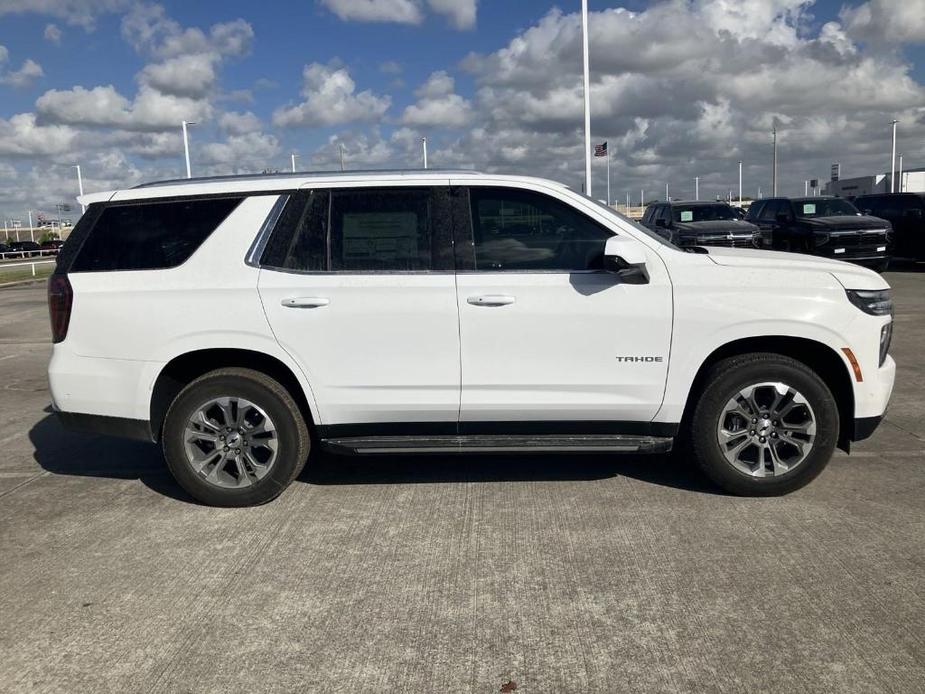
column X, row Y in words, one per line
column 331, row 98
column 75, row 12
column 190, row 75
column 438, row 105
column 252, row 151
column 460, row 13
column 105, row 107
column 27, row 73
column 52, row 33
column 148, row 29
column 237, row 123
column 886, row 21
column 400, row 11
column 21, row 136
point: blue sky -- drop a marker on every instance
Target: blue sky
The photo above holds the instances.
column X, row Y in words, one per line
column 680, row 87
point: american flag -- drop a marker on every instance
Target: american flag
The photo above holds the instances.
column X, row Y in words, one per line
column 600, row 150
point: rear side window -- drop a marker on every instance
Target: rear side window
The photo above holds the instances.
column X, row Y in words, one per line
column 150, row 235
column 754, row 210
column 381, row 230
column 363, row 230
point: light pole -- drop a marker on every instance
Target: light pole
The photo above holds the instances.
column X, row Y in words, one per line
column 774, row 163
column 696, row 187
column 893, row 159
column 186, row 124
column 805, row 188
column 587, row 94
column 642, row 197
column 740, row 182
column 627, row 202
column 667, row 199
column 900, row 173
column 424, row 147
column 80, row 187
column 31, row 234
column 292, row 159
column 342, row 149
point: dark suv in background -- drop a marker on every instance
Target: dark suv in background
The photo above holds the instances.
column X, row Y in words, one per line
column 906, row 213
column 824, row 226
column 700, row 224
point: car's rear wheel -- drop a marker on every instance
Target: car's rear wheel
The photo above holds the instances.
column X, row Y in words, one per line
column 764, row 425
column 235, row 437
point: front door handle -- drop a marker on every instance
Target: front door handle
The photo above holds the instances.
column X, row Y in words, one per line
column 491, row 300
column 305, row 302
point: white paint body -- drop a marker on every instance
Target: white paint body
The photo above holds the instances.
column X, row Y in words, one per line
column 412, row 347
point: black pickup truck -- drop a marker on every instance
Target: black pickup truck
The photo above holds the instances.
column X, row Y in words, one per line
column 700, row 224
column 824, row 226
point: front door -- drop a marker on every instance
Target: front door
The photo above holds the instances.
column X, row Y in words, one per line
column 358, row 286
column 549, row 339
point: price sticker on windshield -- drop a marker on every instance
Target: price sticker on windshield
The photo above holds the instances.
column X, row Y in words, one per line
column 687, row 216
column 809, row 208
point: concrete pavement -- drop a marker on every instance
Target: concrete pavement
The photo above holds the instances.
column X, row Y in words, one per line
column 563, row 574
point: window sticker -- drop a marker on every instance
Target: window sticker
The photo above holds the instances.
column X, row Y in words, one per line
column 809, row 208
column 687, row 216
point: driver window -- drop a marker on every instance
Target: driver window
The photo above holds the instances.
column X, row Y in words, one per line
column 522, row 230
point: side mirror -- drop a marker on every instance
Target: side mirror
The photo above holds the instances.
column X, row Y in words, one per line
column 661, row 223
column 626, row 257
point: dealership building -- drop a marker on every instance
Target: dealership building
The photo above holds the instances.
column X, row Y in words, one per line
column 910, row 181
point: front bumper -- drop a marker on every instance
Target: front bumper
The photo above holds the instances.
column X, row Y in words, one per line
column 864, row 427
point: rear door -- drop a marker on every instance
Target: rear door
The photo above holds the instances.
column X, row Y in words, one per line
column 358, row 286
column 549, row 339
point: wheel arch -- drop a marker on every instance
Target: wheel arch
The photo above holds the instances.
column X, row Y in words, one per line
column 818, row 356
column 186, row 367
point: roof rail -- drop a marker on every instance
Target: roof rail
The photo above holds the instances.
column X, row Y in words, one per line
column 301, row 174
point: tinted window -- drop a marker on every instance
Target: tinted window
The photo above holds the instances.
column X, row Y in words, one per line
column 381, row 229
column 754, row 210
column 703, row 213
column 522, row 230
column 299, row 240
column 150, row 235
column 823, row 207
column 769, row 212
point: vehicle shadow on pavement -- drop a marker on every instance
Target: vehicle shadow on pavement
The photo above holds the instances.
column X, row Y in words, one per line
column 667, row 471
column 62, row 452
column 905, row 265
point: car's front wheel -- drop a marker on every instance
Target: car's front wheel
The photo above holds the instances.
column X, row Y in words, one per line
column 764, row 425
column 235, row 437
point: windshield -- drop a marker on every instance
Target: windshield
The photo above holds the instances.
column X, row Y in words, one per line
column 636, row 225
column 702, row 213
column 823, row 207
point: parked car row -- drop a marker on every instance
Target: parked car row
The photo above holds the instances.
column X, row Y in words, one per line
column 29, row 249
column 867, row 232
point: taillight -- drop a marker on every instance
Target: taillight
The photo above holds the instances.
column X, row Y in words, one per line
column 60, row 300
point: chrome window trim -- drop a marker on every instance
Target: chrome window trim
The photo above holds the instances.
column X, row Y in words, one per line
column 263, row 235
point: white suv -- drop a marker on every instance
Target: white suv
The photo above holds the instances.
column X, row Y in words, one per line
column 241, row 321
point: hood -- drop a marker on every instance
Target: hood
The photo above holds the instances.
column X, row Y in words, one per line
column 850, row 276
column 844, row 222
column 720, row 226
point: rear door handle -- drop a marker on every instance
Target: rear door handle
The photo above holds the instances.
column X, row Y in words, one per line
column 305, row 302
column 491, row 300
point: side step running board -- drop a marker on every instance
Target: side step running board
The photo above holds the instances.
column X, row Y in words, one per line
column 499, row 444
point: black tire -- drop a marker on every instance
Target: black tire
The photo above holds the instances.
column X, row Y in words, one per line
column 274, row 399
column 724, row 380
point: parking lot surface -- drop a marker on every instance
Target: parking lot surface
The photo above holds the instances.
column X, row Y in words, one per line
column 423, row 574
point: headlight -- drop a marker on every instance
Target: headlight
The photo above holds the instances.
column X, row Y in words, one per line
column 876, row 303
column 886, row 336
